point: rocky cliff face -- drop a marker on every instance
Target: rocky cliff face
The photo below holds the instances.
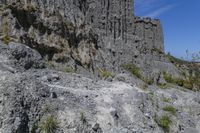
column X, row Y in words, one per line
column 42, row 42
column 150, row 31
column 86, row 35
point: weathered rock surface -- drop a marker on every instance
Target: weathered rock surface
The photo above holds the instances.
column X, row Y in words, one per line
column 87, row 35
column 85, row 105
column 42, row 40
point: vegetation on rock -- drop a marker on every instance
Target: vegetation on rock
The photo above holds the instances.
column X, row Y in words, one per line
column 70, row 70
column 105, row 74
column 165, row 99
column 164, row 123
column 133, row 69
column 6, row 38
column 82, row 117
column 190, row 71
column 49, row 125
column 170, row 109
column 163, row 85
column 178, row 81
column 84, row 36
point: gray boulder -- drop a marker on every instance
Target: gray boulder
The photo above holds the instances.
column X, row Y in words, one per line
column 25, row 56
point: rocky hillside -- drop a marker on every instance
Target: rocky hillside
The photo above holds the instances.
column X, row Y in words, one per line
column 91, row 66
column 35, row 99
column 87, row 36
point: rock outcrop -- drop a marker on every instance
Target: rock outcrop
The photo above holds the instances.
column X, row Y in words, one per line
column 37, row 100
column 150, row 31
column 56, row 54
column 86, row 35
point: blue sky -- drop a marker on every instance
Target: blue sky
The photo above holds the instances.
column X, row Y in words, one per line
column 180, row 20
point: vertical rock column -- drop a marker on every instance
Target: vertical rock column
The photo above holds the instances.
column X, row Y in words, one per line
column 113, row 18
column 150, row 31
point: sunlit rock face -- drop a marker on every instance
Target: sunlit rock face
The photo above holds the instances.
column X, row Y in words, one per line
column 88, row 66
column 86, row 35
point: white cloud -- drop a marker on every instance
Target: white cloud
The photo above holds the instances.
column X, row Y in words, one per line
column 152, row 8
column 158, row 12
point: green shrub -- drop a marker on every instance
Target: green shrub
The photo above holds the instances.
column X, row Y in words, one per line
column 163, row 85
column 70, row 70
column 148, row 81
column 82, row 117
column 170, row 109
column 165, row 99
column 6, row 39
column 6, row 28
column 105, row 74
column 133, row 69
column 180, row 82
column 190, row 67
column 168, row 77
column 49, row 125
column 151, row 96
column 151, row 93
column 188, row 85
column 164, row 123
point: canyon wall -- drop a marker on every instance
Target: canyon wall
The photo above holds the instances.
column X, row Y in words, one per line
column 86, row 35
column 151, row 31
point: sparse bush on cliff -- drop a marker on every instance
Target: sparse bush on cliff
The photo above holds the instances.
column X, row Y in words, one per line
column 105, row 74
column 49, row 125
column 170, row 109
column 133, row 69
column 6, row 39
column 70, row 70
column 164, row 123
column 190, row 71
column 163, row 85
column 82, row 117
column 180, row 82
column 148, row 81
column 188, row 85
column 168, row 77
column 165, row 99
